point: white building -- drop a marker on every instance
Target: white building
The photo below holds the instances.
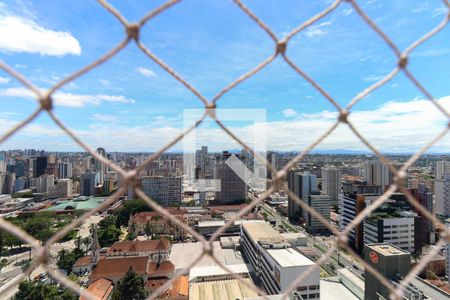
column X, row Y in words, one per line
column 331, row 183
column 398, row 231
column 275, row 262
column 442, row 196
column 45, row 183
column 442, row 169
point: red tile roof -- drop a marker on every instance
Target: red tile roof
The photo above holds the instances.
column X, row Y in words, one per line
column 101, row 288
column 153, row 284
column 83, row 261
column 117, row 267
column 164, row 267
column 140, row 246
column 154, row 216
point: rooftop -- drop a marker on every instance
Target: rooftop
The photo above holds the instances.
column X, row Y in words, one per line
column 82, row 203
column 212, row 271
column 183, row 254
column 117, row 267
column 387, row 249
column 335, row 291
column 222, row 289
column 139, row 246
column 262, row 231
column 101, row 288
column 289, row 257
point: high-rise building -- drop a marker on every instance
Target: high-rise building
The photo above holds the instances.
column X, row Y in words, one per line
column 87, row 184
column 301, row 185
column 447, row 253
column 108, row 185
column 233, row 189
column 39, row 166
column 64, row 170
column 100, row 168
column 45, row 183
column 275, row 262
column 376, row 173
column 442, row 196
column 321, row 204
column 442, row 169
column 351, row 205
column 164, row 190
column 331, row 183
column 426, row 232
column 398, row 230
column 391, row 261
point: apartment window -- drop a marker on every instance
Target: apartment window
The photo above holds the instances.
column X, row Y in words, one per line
column 302, row 288
column 313, row 287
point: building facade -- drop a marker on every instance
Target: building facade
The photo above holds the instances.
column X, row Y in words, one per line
column 164, row 190
column 331, row 183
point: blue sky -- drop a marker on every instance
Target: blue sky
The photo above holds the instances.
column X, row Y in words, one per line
column 130, row 103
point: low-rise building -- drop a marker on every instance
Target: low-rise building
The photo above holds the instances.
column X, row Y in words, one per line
column 275, row 262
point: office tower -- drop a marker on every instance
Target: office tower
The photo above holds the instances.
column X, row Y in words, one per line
column 19, row 167
column 275, row 262
column 376, row 173
column 301, row 185
column 442, row 169
column 233, row 189
column 391, row 261
column 447, row 254
column 321, row 204
column 442, row 196
column 39, row 166
column 45, row 183
column 201, row 163
column 350, row 206
column 64, row 170
column 87, row 184
column 397, row 229
column 21, row 184
column 164, row 190
column 331, row 183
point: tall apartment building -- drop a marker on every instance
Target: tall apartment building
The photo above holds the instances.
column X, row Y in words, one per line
column 426, row 234
column 331, row 183
column 321, row 204
column 164, row 190
column 45, row 183
column 87, row 184
column 301, row 184
column 350, row 205
column 62, row 189
column 233, row 189
column 442, row 196
column 275, row 262
column 99, row 167
column 376, row 173
column 391, row 261
column 396, row 230
column 442, row 169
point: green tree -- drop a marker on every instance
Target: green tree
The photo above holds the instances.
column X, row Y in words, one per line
column 131, row 286
column 130, row 207
column 108, row 233
column 29, row 290
column 66, row 259
column 148, row 229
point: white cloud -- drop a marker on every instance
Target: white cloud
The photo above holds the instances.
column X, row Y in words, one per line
column 18, row 34
column 314, row 32
column 289, row 112
column 105, row 82
column 439, row 11
column 4, row 80
column 104, row 118
column 370, row 78
column 145, row 72
column 391, row 127
column 67, row 99
column 347, row 11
